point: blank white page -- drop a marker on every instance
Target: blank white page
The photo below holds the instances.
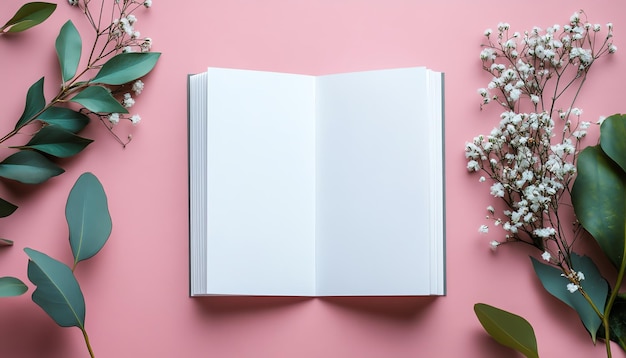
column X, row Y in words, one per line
column 261, row 183
column 373, row 160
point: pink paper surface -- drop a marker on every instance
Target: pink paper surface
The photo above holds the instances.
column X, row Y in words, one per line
column 136, row 288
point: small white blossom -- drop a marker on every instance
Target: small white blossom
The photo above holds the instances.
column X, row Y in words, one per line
column 135, row 119
column 494, row 245
column 147, row 3
column 73, row 2
column 497, row 190
column 114, row 118
column 580, row 276
column 481, row 179
column 483, row 229
column 128, row 100
column 546, row 256
column 137, row 86
column 571, row 287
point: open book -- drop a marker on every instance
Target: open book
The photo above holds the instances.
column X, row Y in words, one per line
column 316, row 185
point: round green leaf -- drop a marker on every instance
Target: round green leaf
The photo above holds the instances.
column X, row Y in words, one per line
column 69, row 48
column 599, row 199
column 58, row 292
column 88, row 217
column 11, row 286
column 35, row 102
column 594, row 285
column 98, row 99
column 126, row 67
column 65, row 118
column 29, row 15
column 508, row 329
column 28, row 167
column 56, row 141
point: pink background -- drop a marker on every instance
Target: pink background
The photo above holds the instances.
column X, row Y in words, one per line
column 136, row 289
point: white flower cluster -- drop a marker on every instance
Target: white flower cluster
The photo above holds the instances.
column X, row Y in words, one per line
column 128, row 101
column 123, row 29
column 530, row 156
column 532, row 59
column 575, row 278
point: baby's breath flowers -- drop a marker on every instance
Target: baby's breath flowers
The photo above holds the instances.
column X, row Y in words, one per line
column 529, row 157
column 119, row 35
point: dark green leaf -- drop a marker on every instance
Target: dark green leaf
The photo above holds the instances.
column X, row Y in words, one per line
column 58, row 292
column 613, row 139
column 599, row 199
column 5, row 242
column 98, row 99
column 594, row 285
column 56, row 141
column 126, row 67
column 6, row 208
column 617, row 322
column 28, row 167
column 508, row 329
column 29, row 15
column 69, row 48
column 35, row 102
column 11, row 286
column 88, row 217
column 65, row 118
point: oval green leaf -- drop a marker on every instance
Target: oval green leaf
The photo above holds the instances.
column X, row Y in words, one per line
column 599, row 199
column 126, row 67
column 613, row 139
column 98, row 99
column 69, row 48
column 35, row 102
column 508, row 329
column 56, row 141
column 594, row 285
column 29, row 15
column 28, row 167
column 11, row 286
column 57, row 292
column 65, row 118
column 6, row 208
column 88, row 218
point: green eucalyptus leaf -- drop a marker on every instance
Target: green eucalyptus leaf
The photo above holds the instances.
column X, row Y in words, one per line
column 56, row 141
column 508, row 329
column 6, row 208
column 58, row 292
column 29, row 15
column 11, row 286
column 599, row 199
column 126, row 67
column 594, row 285
column 88, row 217
column 35, row 102
column 613, row 139
column 5, row 242
column 98, row 99
column 28, row 167
column 617, row 322
column 65, row 118
column 69, row 48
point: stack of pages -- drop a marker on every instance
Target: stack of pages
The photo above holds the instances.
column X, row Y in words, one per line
column 316, row 185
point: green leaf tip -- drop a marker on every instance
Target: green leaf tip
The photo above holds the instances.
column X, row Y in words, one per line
column 29, row 15
column 508, row 329
column 126, row 67
column 11, row 286
column 28, row 167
